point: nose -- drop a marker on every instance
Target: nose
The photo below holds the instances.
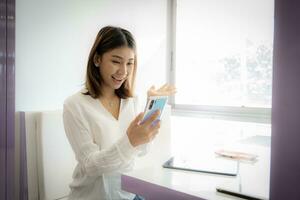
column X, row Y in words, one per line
column 122, row 69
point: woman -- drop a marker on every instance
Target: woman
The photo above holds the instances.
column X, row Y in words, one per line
column 101, row 122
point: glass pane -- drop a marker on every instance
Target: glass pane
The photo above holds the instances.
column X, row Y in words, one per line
column 224, row 52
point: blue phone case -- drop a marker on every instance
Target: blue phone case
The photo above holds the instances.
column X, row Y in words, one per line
column 157, row 104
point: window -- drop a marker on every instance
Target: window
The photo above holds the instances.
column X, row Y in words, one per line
column 222, row 58
column 221, row 64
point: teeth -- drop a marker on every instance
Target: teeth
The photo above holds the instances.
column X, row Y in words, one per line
column 118, row 79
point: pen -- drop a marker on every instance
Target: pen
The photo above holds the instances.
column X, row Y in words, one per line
column 238, row 194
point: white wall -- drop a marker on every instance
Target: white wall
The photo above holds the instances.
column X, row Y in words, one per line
column 53, row 39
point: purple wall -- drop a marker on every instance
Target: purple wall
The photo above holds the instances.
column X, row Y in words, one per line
column 285, row 149
column 10, row 98
column 2, row 99
column 7, row 98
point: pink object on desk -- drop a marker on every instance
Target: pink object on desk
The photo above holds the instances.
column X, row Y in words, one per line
column 236, row 155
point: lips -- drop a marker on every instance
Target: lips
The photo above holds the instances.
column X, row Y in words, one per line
column 118, row 78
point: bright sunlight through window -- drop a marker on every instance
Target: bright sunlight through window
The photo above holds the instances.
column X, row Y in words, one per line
column 224, row 52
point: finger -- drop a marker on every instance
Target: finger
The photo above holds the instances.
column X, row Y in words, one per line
column 158, row 124
column 152, row 117
column 155, row 126
column 138, row 118
column 151, row 90
column 172, row 92
column 167, row 89
column 170, row 87
column 164, row 86
column 152, row 87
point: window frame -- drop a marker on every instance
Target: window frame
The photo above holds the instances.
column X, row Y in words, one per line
column 242, row 113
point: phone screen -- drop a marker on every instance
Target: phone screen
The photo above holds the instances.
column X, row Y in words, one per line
column 153, row 104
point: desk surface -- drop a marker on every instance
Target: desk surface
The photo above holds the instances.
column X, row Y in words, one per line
column 151, row 180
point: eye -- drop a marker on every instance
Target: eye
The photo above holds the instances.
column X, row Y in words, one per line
column 116, row 62
column 129, row 64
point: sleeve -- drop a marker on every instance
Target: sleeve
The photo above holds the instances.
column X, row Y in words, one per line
column 116, row 158
column 144, row 148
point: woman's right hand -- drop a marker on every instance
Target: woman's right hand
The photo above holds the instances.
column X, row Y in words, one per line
column 143, row 133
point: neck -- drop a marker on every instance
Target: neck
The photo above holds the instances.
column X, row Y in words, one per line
column 108, row 93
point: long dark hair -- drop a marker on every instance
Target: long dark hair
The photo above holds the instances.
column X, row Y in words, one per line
column 109, row 38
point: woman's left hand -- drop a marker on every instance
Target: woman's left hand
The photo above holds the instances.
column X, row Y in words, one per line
column 165, row 90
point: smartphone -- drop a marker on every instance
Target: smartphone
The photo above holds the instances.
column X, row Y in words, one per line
column 154, row 103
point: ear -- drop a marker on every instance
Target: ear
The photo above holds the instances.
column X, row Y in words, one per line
column 97, row 60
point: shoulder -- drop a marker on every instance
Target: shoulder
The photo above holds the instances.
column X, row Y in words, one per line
column 77, row 100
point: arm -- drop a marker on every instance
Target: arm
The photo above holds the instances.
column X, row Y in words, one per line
column 144, row 148
column 96, row 162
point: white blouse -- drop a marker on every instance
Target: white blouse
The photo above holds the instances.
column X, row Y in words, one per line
column 101, row 147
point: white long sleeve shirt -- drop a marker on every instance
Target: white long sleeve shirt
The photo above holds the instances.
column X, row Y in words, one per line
column 101, row 147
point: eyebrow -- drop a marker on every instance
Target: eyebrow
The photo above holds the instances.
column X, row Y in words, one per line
column 116, row 56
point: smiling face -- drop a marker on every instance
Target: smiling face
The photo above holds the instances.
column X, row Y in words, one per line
column 116, row 66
